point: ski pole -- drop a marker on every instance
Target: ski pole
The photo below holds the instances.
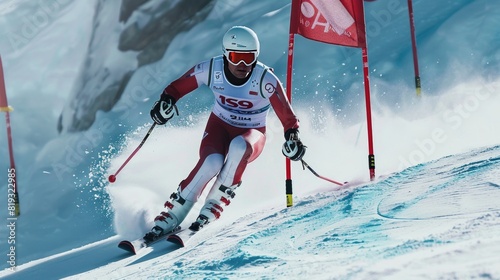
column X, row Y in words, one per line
column 304, row 164
column 112, row 178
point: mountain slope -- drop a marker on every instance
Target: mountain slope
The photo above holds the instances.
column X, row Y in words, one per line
column 435, row 220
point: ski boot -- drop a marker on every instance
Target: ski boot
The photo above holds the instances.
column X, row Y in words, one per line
column 177, row 210
column 217, row 199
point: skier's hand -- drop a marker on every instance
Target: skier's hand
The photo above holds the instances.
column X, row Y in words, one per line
column 293, row 147
column 163, row 109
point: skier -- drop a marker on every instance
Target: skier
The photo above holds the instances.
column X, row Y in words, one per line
column 244, row 90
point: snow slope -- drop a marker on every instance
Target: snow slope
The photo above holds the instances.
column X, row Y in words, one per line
column 435, row 220
column 432, row 213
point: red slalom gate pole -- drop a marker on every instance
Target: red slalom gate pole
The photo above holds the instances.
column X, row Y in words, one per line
column 112, row 178
column 288, row 166
column 371, row 155
column 13, row 195
column 414, row 48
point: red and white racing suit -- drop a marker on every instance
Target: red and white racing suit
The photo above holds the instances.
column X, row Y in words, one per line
column 235, row 132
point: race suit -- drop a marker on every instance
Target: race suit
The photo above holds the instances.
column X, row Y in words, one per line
column 235, row 131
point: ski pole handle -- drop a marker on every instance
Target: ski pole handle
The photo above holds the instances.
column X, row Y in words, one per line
column 112, row 178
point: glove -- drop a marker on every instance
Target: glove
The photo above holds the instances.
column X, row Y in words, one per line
column 293, row 147
column 163, row 109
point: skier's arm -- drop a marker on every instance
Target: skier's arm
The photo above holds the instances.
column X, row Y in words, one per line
column 273, row 88
column 163, row 109
column 183, row 85
column 293, row 147
column 190, row 81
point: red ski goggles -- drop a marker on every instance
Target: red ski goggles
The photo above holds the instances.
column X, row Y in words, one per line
column 235, row 57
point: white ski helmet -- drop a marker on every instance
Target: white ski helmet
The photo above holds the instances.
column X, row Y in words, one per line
column 240, row 39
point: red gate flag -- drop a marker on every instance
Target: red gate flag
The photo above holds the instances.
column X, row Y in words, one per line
column 339, row 22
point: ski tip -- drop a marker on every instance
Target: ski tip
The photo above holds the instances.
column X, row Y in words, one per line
column 175, row 239
column 127, row 246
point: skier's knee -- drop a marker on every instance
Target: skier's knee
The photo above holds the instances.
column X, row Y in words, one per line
column 239, row 146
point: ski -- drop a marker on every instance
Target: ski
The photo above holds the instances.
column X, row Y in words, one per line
column 183, row 236
column 134, row 246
